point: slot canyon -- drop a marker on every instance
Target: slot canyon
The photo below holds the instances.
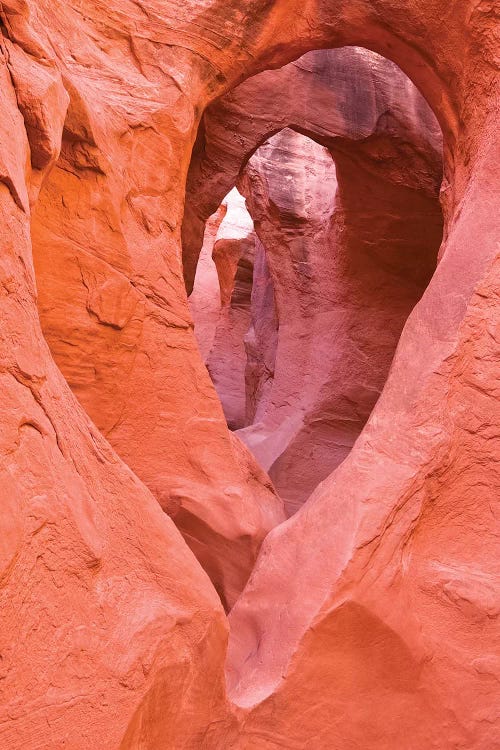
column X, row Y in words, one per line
column 250, row 375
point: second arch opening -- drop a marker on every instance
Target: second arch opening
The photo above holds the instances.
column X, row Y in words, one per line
column 302, row 281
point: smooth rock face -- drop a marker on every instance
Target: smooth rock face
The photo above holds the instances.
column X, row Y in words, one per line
column 233, row 254
column 348, row 261
column 261, row 340
column 371, row 616
column 119, row 329
column 205, row 299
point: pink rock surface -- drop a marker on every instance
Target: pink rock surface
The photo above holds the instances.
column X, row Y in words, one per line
column 348, row 262
column 362, row 607
column 205, row 300
column 347, row 273
column 233, row 253
column 261, row 340
column 291, row 186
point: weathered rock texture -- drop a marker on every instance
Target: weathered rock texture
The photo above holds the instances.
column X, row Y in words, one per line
column 118, row 327
column 348, row 261
column 104, row 610
column 205, row 299
column 371, row 618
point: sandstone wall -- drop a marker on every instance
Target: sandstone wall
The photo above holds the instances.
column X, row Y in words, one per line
column 371, row 617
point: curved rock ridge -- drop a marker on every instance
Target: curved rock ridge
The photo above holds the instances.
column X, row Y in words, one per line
column 371, row 616
column 107, row 273
column 328, row 95
column 104, row 610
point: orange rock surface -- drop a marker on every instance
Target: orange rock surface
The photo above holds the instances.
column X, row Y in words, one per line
column 371, row 617
column 114, row 315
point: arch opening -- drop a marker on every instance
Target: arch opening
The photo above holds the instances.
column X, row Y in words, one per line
column 341, row 182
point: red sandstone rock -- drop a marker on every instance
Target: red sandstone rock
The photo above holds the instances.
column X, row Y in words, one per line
column 348, row 265
column 315, row 96
column 371, row 618
column 104, row 610
column 108, row 278
column 371, row 593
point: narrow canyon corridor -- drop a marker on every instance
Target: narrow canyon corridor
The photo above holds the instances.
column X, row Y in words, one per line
column 301, row 295
column 249, row 375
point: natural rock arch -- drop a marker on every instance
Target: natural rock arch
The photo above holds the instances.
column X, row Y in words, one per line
column 356, row 506
column 387, row 147
column 334, row 97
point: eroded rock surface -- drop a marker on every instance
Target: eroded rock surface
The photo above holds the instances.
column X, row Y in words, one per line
column 328, row 95
column 205, row 299
column 104, row 610
column 233, row 254
column 371, row 617
column 108, row 277
column 349, row 259
column 234, row 312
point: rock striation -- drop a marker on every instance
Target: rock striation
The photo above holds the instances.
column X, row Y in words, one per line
column 120, row 331
column 104, row 609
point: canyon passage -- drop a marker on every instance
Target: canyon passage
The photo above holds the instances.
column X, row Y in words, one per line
column 249, row 375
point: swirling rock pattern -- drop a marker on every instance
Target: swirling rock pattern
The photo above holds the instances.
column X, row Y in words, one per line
column 371, row 617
